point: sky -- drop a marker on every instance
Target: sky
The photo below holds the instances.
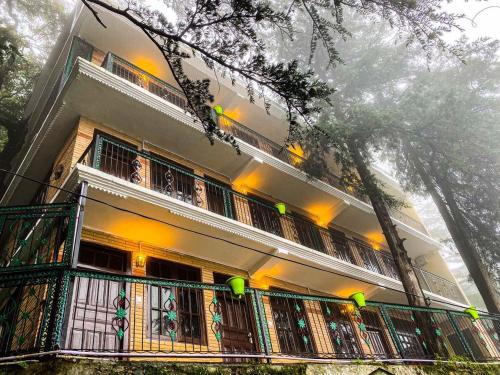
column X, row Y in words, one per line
column 483, row 18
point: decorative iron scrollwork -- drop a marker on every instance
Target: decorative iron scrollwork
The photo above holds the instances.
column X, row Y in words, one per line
column 120, row 322
column 170, row 317
column 362, row 326
column 216, row 311
column 169, row 178
column 135, row 177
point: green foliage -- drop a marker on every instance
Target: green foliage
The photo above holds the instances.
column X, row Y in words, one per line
column 17, row 75
column 390, row 96
column 449, row 121
column 27, row 29
column 460, row 366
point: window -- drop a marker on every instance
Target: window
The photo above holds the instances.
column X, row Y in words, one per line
column 117, row 157
column 376, row 334
column 367, row 253
column 292, row 326
column 342, row 249
column 93, row 256
column 308, row 233
column 341, row 330
column 264, row 216
column 409, row 340
column 175, row 312
column 215, row 196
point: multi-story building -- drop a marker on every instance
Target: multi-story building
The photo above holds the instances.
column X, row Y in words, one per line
column 127, row 254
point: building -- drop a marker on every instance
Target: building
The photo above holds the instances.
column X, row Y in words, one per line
column 128, row 253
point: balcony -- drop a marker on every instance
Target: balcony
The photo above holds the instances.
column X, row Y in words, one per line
column 121, row 316
column 175, row 181
column 133, row 74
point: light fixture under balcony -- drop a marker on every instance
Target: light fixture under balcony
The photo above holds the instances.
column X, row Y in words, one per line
column 140, row 260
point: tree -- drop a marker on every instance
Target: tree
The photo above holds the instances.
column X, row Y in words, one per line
column 26, row 37
column 17, row 75
column 447, row 146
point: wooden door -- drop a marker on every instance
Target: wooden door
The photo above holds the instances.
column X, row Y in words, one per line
column 238, row 334
column 92, row 325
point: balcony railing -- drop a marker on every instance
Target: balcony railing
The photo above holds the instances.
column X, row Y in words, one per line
column 139, row 77
column 97, row 314
column 36, row 236
column 176, row 181
column 438, row 285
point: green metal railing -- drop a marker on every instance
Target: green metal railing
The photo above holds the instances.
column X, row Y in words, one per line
column 35, row 236
column 92, row 313
column 139, row 77
column 178, row 182
column 27, row 306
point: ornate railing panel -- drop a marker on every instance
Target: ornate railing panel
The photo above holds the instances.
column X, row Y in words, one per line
column 439, row 285
column 479, row 337
column 109, row 313
column 26, row 305
column 36, row 235
column 178, row 182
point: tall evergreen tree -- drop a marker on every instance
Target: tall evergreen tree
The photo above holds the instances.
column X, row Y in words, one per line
column 446, row 144
column 27, row 30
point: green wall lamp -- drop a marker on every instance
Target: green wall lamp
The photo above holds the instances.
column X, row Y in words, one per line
column 281, row 208
column 359, row 299
column 237, row 285
column 472, row 311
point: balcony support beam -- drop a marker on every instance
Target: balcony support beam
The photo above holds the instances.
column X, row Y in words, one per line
column 245, row 171
column 266, row 263
column 80, row 211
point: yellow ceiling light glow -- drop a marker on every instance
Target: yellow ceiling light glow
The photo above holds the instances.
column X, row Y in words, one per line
column 347, row 292
column 375, row 239
column 251, row 181
column 297, row 153
column 323, row 213
column 143, row 230
column 233, row 113
column 147, row 64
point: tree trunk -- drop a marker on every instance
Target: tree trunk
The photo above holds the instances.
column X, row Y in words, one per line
column 406, row 272
column 458, row 230
column 16, row 133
